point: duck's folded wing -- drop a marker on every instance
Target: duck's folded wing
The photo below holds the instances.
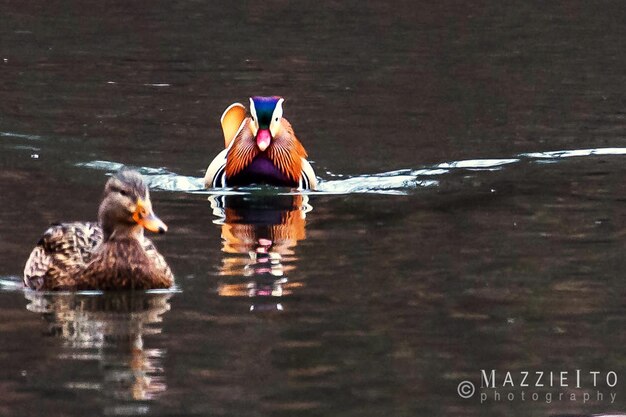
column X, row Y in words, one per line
column 216, row 172
column 232, row 122
column 61, row 248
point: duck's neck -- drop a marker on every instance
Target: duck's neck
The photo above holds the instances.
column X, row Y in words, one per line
column 121, row 232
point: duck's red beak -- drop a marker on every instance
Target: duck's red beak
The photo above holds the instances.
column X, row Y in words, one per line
column 263, row 139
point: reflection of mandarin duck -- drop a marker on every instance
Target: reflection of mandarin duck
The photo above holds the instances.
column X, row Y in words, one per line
column 260, row 149
column 113, row 254
column 266, row 228
column 249, row 223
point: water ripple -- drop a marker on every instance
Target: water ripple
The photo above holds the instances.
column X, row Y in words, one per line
column 478, row 164
column 384, row 183
column 575, row 152
column 157, row 178
column 20, row 136
column 11, row 283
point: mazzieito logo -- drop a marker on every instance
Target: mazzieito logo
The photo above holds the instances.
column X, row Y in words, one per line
column 546, row 386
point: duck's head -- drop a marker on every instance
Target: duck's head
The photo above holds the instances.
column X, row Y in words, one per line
column 126, row 208
column 265, row 120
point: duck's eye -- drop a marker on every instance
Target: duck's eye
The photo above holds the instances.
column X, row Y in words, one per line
column 119, row 191
column 276, row 119
column 252, row 117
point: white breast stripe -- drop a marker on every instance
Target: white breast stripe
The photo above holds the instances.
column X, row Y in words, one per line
column 220, row 177
column 305, row 182
column 309, row 175
column 215, row 174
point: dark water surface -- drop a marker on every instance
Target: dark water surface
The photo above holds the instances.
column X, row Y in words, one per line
column 445, row 241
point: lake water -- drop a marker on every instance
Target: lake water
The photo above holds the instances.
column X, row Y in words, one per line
column 471, row 214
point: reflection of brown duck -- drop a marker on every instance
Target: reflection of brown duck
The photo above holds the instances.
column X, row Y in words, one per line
column 265, row 228
column 113, row 254
column 109, row 328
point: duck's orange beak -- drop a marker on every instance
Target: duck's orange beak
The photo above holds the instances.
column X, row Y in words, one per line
column 145, row 217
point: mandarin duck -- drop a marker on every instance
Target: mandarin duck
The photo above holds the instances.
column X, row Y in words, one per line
column 112, row 254
column 260, row 149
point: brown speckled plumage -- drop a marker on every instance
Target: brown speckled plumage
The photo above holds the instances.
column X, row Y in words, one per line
column 81, row 256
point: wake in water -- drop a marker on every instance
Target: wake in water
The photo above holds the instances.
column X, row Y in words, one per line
column 11, row 283
column 393, row 182
column 156, row 178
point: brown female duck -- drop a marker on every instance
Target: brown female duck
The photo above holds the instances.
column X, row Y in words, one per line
column 110, row 255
